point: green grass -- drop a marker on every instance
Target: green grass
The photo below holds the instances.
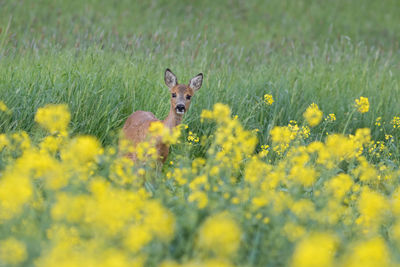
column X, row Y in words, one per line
column 106, row 59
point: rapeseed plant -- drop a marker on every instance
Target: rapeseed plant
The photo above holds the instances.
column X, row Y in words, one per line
column 331, row 117
column 54, row 118
column 313, row 115
column 67, row 201
column 12, row 251
column 362, row 104
column 4, row 108
column 372, row 252
column 395, row 122
column 219, row 234
column 318, row 249
column 268, row 99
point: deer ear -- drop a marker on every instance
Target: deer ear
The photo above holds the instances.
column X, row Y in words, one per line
column 196, row 82
column 170, row 79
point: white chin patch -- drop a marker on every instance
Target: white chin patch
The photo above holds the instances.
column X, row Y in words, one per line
column 180, row 112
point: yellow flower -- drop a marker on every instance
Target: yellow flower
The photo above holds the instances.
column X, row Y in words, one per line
column 316, row 250
column 220, row 234
column 372, row 207
column 378, row 121
column 220, row 113
column 305, row 132
column 281, row 135
column 200, row 198
column 81, row 150
column 137, row 237
column 264, row 151
column 362, row 104
column 260, row 202
column 305, row 176
column 12, row 251
column 217, row 263
column 340, row 147
column 110, row 209
column 101, row 209
column 4, row 142
column 303, row 208
column 158, row 129
column 339, row 185
column 268, row 99
column 4, row 108
column 395, row 122
column 331, row 117
column 68, row 207
column 363, row 136
column 256, row 171
column 395, row 232
column 293, row 231
column 54, row 118
column 15, row 191
column 313, row 115
column 366, row 171
column 21, row 140
column 51, row 143
column 370, row 253
column 193, row 138
column 160, row 220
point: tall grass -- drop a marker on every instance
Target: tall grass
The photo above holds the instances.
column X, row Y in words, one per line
column 103, row 88
column 106, row 59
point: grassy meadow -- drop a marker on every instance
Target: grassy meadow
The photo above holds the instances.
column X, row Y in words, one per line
column 249, row 181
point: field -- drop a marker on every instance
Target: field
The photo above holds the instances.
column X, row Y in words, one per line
column 288, row 156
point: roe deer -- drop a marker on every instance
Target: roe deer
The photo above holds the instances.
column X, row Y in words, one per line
column 137, row 125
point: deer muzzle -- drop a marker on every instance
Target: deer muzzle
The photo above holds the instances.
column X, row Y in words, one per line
column 180, row 109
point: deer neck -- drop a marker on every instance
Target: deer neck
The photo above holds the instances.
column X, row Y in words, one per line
column 172, row 119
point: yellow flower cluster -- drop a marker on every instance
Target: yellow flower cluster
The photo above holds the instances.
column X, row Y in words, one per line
column 54, row 118
column 331, row 117
column 318, row 249
column 12, row 251
column 395, row 122
column 372, row 252
column 60, row 179
column 362, row 104
column 220, row 234
column 282, row 136
column 192, row 138
column 313, row 115
column 67, row 201
column 232, row 143
column 158, row 130
column 4, row 108
column 378, row 121
column 268, row 99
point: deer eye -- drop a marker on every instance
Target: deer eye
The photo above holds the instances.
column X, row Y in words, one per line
column 173, row 95
column 188, row 97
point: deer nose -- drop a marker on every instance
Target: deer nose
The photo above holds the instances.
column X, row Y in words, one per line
column 180, row 108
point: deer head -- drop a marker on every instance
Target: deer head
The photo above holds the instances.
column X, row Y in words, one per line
column 181, row 94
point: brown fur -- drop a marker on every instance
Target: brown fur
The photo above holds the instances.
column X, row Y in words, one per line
column 137, row 125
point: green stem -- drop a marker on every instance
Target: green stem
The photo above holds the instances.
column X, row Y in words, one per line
column 347, row 122
column 254, row 249
column 5, row 33
column 323, row 129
